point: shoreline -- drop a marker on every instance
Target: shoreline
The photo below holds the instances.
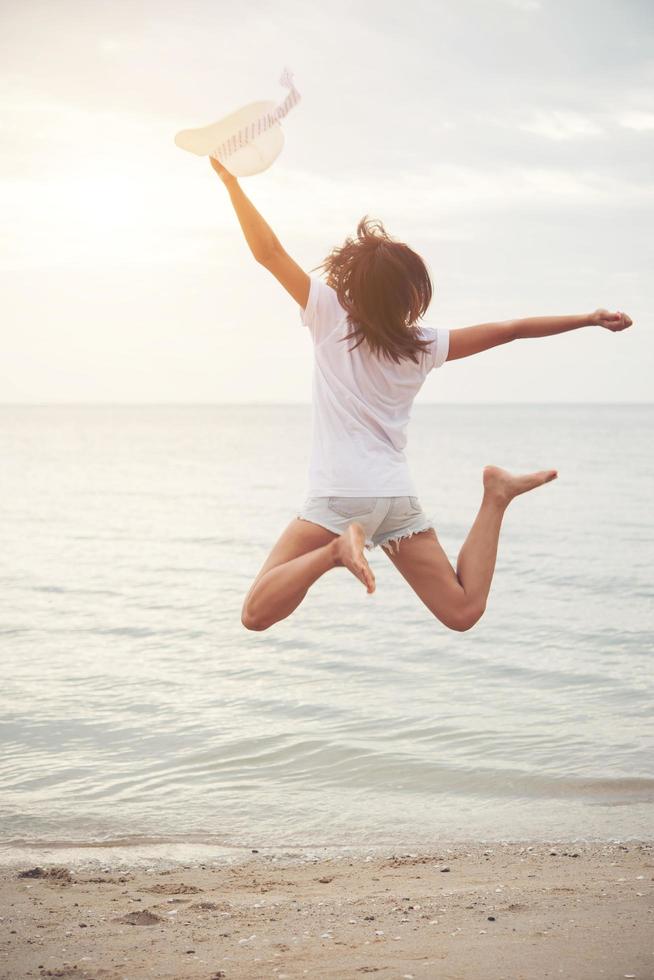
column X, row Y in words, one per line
column 167, row 852
column 484, row 911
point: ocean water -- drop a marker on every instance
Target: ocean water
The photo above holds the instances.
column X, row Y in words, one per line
column 135, row 708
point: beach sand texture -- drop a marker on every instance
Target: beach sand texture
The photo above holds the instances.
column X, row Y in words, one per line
column 468, row 912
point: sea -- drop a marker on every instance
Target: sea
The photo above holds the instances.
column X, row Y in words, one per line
column 141, row 722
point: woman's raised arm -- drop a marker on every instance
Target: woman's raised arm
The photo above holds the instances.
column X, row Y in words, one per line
column 258, row 233
column 264, row 244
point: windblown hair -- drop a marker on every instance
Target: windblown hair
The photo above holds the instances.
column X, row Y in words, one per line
column 385, row 288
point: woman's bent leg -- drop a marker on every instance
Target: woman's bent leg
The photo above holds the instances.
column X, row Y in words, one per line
column 476, row 562
column 423, row 563
column 301, row 555
column 459, row 598
column 304, row 552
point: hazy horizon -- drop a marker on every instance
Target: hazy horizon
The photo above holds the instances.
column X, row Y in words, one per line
column 509, row 142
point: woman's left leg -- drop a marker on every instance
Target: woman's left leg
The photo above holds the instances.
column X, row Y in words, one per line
column 303, row 553
column 458, row 598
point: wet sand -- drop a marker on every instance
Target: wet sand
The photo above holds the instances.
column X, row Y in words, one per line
column 468, row 912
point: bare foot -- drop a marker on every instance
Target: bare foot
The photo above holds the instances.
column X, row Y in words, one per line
column 505, row 486
column 348, row 551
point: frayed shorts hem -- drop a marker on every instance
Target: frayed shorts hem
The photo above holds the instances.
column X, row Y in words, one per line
column 390, row 542
column 333, row 529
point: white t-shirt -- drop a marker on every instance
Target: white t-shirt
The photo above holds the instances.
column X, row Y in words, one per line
column 361, row 405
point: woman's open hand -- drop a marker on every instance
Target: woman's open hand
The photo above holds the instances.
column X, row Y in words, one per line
column 222, row 172
column 611, row 321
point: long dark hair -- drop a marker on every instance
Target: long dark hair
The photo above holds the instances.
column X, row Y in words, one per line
column 385, row 288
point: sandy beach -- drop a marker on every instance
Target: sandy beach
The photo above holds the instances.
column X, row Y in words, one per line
column 465, row 912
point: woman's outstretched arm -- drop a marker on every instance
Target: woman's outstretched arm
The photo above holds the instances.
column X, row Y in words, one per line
column 472, row 340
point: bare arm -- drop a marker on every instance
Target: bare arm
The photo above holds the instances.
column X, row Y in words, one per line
column 264, row 244
column 466, row 341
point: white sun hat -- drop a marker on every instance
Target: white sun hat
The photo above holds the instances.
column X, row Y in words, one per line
column 247, row 141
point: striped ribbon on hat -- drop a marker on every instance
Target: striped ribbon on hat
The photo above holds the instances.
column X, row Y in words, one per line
column 260, row 125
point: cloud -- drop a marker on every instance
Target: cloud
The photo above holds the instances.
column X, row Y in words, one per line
column 531, row 6
column 562, row 125
column 640, row 121
column 145, row 217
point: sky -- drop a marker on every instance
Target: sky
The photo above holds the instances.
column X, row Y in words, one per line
column 509, row 142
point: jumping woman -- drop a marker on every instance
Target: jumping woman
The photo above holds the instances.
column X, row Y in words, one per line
column 371, row 358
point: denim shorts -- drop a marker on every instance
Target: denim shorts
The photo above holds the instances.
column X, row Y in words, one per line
column 386, row 520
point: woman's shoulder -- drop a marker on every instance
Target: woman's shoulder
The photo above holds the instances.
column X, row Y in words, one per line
column 323, row 308
column 426, row 332
column 439, row 342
